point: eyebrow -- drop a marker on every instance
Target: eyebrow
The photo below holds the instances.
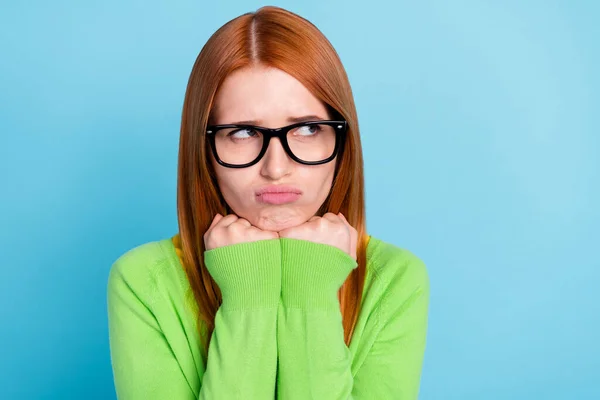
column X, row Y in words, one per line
column 292, row 120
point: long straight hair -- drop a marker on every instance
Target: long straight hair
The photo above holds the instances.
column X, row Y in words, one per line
column 278, row 38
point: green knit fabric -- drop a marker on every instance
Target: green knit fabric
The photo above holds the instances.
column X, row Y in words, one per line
column 278, row 332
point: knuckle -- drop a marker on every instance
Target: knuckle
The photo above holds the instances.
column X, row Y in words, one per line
column 233, row 227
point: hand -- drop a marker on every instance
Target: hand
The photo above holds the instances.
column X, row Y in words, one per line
column 330, row 229
column 231, row 229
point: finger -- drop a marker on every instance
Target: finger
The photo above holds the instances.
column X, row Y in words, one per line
column 215, row 221
column 343, row 218
column 292, row 232
column 346, row 223
column 228, row 220
column 313, row 218
column 353, row 235
column 262, row 234
column 283, row 233
column 332, row 217
column 244, row 222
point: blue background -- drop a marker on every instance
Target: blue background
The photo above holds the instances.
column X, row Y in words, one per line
column 480, row 122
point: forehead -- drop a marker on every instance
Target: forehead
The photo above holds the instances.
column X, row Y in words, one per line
column 264, row 94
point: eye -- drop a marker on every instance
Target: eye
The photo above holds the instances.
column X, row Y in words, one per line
column 243, row 133
column 308, row 130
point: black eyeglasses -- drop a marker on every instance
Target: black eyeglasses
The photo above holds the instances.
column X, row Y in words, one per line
column 308, row 143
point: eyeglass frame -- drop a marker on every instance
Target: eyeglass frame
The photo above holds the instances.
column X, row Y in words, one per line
column 340, row 126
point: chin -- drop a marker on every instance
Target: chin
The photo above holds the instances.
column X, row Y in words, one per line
column 276, row 226
column 276, row 223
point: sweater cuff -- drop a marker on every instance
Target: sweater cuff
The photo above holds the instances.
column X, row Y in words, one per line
column 248, row 274
column 312, row 273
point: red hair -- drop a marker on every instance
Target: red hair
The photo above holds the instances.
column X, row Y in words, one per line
column 277, row 38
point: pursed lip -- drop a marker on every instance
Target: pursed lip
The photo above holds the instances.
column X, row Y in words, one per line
column 278, row 189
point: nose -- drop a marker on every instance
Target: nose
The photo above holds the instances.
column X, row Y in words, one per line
column 276, row 163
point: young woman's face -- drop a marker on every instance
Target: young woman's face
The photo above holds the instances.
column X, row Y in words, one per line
column 270, row 98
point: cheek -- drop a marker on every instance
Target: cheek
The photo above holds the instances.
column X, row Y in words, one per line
column 233, row 184
column 229, row 184
column 320, row 180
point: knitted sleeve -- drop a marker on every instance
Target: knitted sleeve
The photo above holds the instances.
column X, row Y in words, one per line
column 314, row 361
column 242, row 356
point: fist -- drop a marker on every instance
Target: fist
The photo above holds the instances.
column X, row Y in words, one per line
column 231, row 229
column 330, row 229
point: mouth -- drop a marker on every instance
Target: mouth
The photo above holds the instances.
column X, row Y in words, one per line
column 278, row 194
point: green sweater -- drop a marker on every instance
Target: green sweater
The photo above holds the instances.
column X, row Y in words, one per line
column 278, row 332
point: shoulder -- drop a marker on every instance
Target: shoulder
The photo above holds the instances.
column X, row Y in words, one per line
column 137, row 269
column 400, row 273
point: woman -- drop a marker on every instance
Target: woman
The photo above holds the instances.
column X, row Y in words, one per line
column 272, row 287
